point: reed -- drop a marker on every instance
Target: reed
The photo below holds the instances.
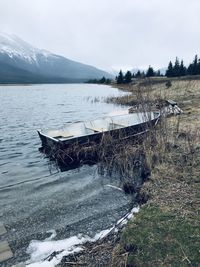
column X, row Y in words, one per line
column 162, row 169
column 130, row 158
column 166, row 231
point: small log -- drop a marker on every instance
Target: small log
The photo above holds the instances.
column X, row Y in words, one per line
column 5, row 251
column 171, row 102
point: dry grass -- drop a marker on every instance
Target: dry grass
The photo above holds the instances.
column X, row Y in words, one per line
column 166, row 230
column 172, row 192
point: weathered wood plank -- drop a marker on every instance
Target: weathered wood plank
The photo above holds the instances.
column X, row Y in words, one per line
column 5, row 251
column 2, row 229
column 171, row 102
column 19, row 265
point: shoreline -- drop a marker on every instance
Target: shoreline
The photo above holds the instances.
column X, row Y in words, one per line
column 170, row 195
column 160, row 234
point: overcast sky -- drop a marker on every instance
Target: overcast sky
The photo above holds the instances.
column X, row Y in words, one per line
column 108, row 33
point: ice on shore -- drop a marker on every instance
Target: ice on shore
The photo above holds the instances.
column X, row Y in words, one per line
column 40, row 251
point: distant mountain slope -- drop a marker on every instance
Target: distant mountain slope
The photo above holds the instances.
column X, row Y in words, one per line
column 22, row 63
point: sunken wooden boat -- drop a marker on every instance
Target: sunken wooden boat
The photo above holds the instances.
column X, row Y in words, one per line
column 91, row 132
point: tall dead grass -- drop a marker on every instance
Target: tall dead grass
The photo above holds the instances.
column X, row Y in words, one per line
column 133, row 159
column 172, row 152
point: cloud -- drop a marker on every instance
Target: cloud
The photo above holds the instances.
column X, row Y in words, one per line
column 108, row 33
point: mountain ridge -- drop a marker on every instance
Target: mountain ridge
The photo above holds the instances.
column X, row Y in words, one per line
column 35, row 65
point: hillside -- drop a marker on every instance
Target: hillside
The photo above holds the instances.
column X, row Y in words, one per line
column 22, row 63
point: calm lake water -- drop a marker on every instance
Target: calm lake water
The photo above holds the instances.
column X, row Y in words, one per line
column 34, row 201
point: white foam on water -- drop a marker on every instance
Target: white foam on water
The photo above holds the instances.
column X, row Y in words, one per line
column 128, row 216
column 40, row 251
column 115, row 187
column 52, row 236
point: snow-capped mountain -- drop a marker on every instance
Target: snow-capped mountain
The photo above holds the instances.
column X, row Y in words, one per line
column 21, row 62
column 13, row 46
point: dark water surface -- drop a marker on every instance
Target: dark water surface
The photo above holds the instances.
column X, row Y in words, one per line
column 34, row 201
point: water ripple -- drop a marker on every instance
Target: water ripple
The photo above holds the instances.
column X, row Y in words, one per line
column 33, row 201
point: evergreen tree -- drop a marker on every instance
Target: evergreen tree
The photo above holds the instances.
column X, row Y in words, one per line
column 157, row 73
column 143, row 74
column 127, row 77
column 198, row 67
column 170, row 70
column 120, row 78
column 108, row 81
column 190, row 69
column 138, row 74
column 176, row 71
column 150, row 72
column 183, row 69
column 180, row 70
column 102, row 80
column 195, row 65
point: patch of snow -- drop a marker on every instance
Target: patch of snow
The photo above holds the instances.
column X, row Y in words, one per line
column 13, row 46
column 40, row 251
column 52, row 236
column 128, row 216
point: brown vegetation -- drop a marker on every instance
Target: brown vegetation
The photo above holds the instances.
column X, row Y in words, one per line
column 167, row 159
column 166, row 231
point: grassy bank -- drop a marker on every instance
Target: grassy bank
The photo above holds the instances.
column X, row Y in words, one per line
column 162, row 169
column 166, row 231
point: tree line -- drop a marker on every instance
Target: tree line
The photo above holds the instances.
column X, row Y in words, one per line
column 128, row 76
column 103, row 80
column 174, row 70
column 179, row 69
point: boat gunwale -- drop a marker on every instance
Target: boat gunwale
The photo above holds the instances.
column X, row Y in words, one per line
column 65, row 141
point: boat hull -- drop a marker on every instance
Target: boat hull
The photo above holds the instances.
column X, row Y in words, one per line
column 96, row 138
